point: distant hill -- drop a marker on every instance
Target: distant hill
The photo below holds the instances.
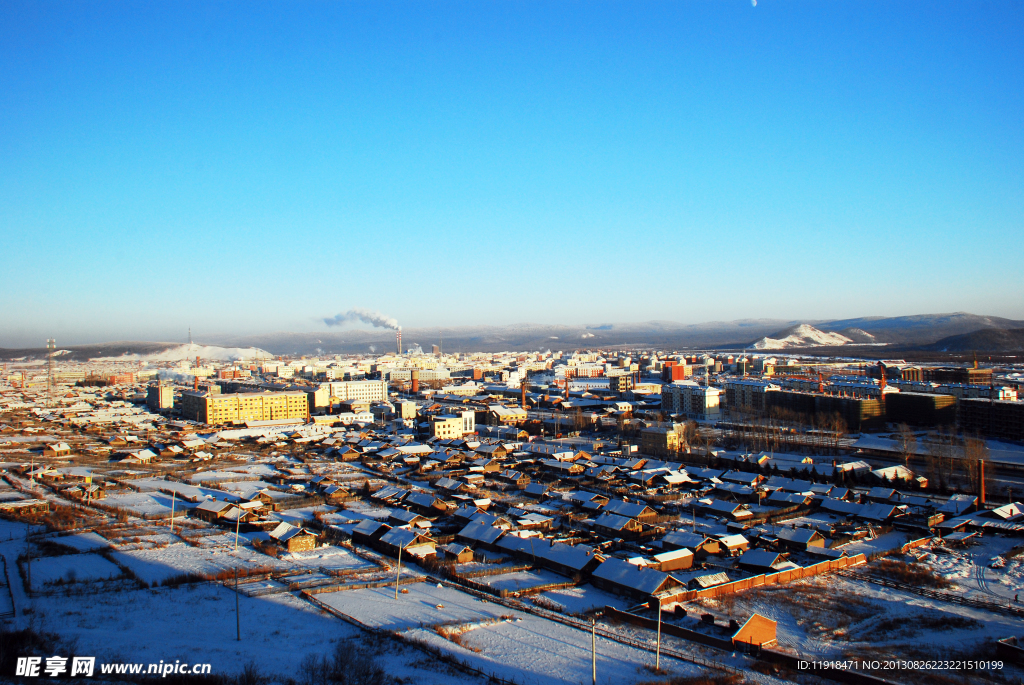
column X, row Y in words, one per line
column 919, row 329
column 880, row 333
column 802, row 335
column 138, row 351
column 985, row 340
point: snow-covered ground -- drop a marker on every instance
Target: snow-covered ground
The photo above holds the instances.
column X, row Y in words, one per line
column 71, row 567
column 144, row 503
column 979, row 570
column 522, row 580
column 156, row 565
column 578, row 600
column 531, row 649
column 83, row 542
column 196, row 624
column 830, row 616
column 330, row 559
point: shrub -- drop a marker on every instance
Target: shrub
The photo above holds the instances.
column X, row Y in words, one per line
column 911, row 574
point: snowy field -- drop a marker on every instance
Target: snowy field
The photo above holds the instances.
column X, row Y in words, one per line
column 78, row 567
column 197, row 625
column 832, row 616
column 183, row 489
column 522, row 580
column 157, row 565
column 329, row 559
column 144, row 503
column 533, row 650
column 578, row 600
column 980, row 570
column 83, row 542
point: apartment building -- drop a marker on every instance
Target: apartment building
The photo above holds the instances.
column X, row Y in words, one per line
column 691, row 399
column 160, row 398
column 224, row 409
column 345, row 391
column 747, row 395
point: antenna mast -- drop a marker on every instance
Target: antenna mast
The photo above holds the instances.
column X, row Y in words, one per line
column 51, row 346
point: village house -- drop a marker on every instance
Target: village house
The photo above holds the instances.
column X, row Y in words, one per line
column 623, row 578
column 293, row 539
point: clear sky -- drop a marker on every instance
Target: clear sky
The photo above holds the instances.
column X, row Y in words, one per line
column 251, row 167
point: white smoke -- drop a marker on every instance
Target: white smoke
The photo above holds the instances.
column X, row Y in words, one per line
column 375, row 319
column 414, row 349
column 373, row 348
column 170, row 375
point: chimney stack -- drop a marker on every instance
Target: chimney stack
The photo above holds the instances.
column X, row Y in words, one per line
column 398, row 334
column 415, row 376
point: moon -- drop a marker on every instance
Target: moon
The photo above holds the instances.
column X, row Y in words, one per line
column 753, row 3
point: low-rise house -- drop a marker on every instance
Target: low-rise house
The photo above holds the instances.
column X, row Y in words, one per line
column 701, row 545
column 703, row 582
column 212, row 510
column 408, row 541
column 733, row 545
column 460, row 554
column 756, row 632
column 761, row 560
column 56, row 449
column 617, row 526
column 426, row 503
column 639, row 582
column 634, row 510
column 368, row 532
column 293, row 539
column 676, row 560
column 800, row 538
column 402, row 517
column 480, row 534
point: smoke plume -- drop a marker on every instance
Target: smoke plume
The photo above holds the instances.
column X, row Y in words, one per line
column 375, row 319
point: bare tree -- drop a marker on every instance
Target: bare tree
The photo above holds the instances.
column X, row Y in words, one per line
column 907, row 444
column 975, row 451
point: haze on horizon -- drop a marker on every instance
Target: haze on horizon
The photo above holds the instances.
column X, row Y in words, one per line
column 264, row 169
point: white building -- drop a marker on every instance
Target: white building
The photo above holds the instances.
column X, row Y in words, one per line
column 691, row 399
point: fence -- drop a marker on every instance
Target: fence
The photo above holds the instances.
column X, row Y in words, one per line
column 787, row 660
column 766, row 579
column 10, row 591
column 431, row 650
column 936, row 594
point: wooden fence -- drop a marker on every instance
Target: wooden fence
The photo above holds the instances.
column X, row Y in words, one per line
column 770, row 655
column 766, row 579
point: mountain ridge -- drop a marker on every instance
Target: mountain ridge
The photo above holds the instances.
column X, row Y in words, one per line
column 897, row 332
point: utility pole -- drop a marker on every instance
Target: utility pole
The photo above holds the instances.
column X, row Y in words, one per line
column 28, row 558
column 173, row 493
column 238, row 619
column 657, row 653
column 238, row 522
column 593, row 651
column 398, row 575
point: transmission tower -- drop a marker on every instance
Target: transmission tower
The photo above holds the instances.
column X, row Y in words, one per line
column 51, row 346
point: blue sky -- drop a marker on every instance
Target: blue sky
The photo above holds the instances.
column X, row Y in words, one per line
column 249, row 167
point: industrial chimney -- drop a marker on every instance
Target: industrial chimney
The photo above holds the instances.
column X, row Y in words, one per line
column 398, row 334
column 415, row 377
